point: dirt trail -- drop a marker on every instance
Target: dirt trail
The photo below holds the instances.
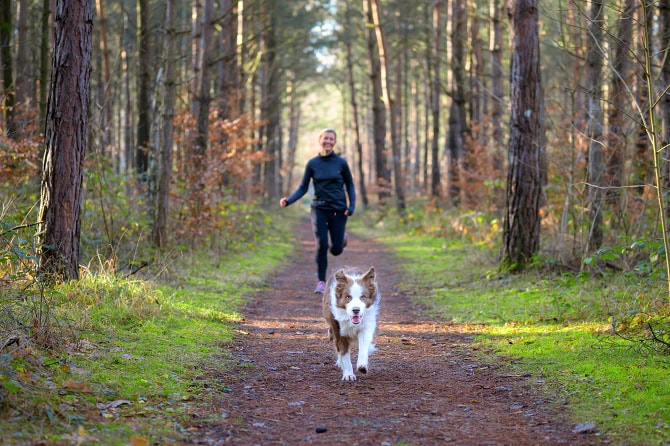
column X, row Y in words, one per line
column 425, row 387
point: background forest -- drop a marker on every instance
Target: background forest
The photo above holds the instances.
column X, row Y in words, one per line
column 221, row 100
column 537, row 129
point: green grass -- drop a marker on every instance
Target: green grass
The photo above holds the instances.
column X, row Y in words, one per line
column 133, row 355
column 555, row 326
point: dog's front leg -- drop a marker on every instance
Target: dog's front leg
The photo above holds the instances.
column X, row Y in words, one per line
column 365, row 347
column 344, row 362
column 344, row 357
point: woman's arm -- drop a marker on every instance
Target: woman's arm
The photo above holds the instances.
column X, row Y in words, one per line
column 301, row 190
column 351, row 190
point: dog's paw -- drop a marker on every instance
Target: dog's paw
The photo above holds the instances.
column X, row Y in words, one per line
column 346, row 377
column 363, row 368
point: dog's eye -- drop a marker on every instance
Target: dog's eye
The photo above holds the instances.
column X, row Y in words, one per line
column 348, row 298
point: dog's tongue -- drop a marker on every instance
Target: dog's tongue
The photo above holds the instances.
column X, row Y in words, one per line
column 356, row 319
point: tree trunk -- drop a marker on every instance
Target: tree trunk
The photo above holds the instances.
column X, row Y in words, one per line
column 126, row 160
column 144, row 91
column 664, row 7
column 457, row 112
column 616, row 136
column 7, row 69
column 416, row 170
column 162, row 147
column 45, row 32
column 594, row 60
column 65, row 140
column 497, row 85
column 24, row 78
column 521, row 227
column 229, row 70
column 382, row 170
column 270, row 104
column 392, row 105
column 427, row 99
column 643, row 162
column 362, row 190
column 105, row 137
column 292, row 143
column 438, row 25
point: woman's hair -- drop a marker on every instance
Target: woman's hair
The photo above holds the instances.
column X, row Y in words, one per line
column 327, row 131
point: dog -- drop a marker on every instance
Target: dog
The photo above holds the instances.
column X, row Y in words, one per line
column 350, row 308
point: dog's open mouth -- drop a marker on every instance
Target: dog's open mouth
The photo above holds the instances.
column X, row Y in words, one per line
column 356, row 319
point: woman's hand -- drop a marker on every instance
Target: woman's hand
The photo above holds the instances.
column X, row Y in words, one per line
column 283, row 202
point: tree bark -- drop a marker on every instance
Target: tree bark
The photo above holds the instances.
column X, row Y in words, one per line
column 7, row 68
column 383, row 179
column 616, row 136
column 362, row 190
column 144, row 91
column 438, row 25
column 594, row 60
column 270, row 101
column 161, row 206
column 665, row 103
column 45, row 32
column 497, row 85
column 458, row 127
column 65, row 139
column 229, row 70
column 24, row 78
column 392, row 106
column 105, row 137
column 521, row 227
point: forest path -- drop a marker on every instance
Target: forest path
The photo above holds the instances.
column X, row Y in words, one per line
column 424, row 387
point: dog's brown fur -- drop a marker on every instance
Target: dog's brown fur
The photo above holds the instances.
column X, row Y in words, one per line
column 342, row 282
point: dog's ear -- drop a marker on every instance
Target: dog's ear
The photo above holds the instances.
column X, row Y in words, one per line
column 340, row 276
column 370, row 275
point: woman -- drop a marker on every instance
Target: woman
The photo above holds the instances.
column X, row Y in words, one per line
column 331, row 176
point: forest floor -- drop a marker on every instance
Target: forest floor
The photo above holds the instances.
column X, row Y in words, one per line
column 426, row 385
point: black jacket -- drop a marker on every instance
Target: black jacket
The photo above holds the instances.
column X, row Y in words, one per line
column 330, row 175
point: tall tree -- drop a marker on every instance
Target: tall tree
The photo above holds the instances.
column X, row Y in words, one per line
column 163, row 172
column 665, row 76
column 24, row 79
column 616, row 137
column 521, row 227
column 65, row 140
column 229, row 70
column 203, row 99
column 436, row 87
column 496, row 36
column 45, row 32
column 144, row 90
column 362, row 191
column 7, row 68
column 594, row 60
column 392, row 105
column 457, row 113
column 382, row 170
column 105, row 99
column 270, row 100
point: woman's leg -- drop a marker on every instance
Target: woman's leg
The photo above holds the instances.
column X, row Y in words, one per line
column 337, row 226
column 320, row 225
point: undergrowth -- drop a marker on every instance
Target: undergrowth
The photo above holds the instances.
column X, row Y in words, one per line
column 119, row 356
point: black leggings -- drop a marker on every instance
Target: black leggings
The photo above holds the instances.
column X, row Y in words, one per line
column 324, row 222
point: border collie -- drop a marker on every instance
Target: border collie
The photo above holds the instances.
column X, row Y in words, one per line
column 350, row 307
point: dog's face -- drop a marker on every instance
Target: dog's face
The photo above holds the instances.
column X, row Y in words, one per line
column 355, row 293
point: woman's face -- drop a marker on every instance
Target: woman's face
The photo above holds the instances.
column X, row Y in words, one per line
column 327, row 142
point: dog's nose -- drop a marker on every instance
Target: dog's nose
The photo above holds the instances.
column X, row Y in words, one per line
column 356, row 310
